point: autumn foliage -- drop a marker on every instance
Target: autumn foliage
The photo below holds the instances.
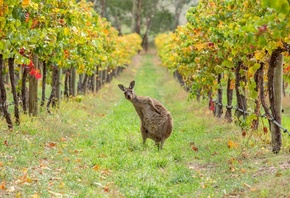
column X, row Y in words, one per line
column 62, row 35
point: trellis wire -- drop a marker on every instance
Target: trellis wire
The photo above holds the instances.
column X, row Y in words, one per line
column 271, row 119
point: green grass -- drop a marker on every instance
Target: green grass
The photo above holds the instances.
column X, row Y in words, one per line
column 94, row 149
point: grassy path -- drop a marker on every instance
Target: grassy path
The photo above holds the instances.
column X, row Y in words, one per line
column 94, row 149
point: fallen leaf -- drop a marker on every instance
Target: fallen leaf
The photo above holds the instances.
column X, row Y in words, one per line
column 44, row 166
column 96, row 167
column 106, row 172
column 194, row 148
column 25, row 178
column 6, row 143
column 247, row 185
column 2, row 185
column 51, row 144
column 244, row 133
column 66, row 159
column 106, row 189
column 278, row 174
column 63, row 139
column 102, row 156
column 232, row 160
column 55, row 194
column 36, row 195
column 232, row 144
column 61, row 185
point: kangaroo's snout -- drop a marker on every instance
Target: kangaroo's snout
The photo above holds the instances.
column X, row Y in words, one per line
column 128, row 96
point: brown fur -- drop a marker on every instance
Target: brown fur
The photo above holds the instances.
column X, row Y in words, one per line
column 156, row 120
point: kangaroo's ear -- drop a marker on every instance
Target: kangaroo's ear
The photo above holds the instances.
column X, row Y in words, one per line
column 132, row 84
column 121, row 87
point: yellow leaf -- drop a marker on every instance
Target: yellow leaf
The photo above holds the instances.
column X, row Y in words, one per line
column 61, row 185
column 259, row 54
column 232, row 84
column 232, row 144
column 197, row 60
column 1, row 2
column 280, row 44
column 199, row 46
column 246, row 4
column 25, row 3
column 36, row 195
column 66, row 31
column 96, row 167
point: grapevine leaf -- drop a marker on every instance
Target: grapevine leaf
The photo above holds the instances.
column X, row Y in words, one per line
column 228, row 64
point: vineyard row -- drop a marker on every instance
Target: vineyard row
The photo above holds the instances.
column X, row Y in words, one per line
column 56, row 43
column 240, row 46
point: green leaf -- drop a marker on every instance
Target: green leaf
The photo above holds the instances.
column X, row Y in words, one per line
column 218, row 69
column 265, row 3
column 262, row 41
column 281, row 6
column 254, row 94
column 228, row 64
column 276, row 34
column 256, row 66
column 285, row 8
column 1, row 45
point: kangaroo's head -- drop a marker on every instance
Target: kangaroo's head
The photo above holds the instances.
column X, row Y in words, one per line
column 128, row 92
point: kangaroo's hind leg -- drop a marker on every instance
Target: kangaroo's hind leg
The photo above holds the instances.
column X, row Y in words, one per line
column 144, row 133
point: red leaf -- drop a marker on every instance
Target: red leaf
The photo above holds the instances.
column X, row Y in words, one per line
column 106, row 189
column 6, row 143
column 37, row 76
column 51, row 144
column 32, row 72
column 244, row 133
column 265, row 129
column 211, row 105
column 194, row 148
column 22, row 51
column 31, row 65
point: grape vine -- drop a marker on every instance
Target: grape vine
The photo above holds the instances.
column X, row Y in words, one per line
column 237, row 45
column 38, row 38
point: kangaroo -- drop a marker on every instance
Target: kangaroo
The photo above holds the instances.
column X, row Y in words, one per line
column 156, row 120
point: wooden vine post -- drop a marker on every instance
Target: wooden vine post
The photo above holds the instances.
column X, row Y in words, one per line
column 3, row 96
column 275, row 79
column 13, row 89
column 33, row 90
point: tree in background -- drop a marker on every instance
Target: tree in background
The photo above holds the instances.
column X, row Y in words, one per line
column 146, row 18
